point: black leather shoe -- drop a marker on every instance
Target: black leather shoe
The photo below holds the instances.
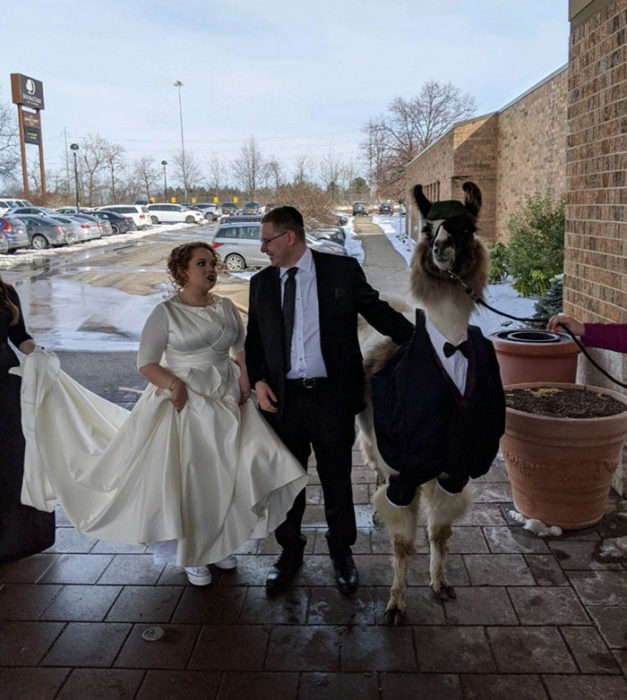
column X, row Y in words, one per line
column 283, row 571
column 346, row 574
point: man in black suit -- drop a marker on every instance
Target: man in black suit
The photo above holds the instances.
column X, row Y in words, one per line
column 304, row 361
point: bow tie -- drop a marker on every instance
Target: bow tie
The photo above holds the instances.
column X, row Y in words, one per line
column 463, row 347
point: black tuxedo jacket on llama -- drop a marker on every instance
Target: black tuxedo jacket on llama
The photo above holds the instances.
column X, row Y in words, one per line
column 425, row 428
column 343, row 292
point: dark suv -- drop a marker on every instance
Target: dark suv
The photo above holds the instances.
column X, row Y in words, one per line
column 360, row 209
column 386, row 208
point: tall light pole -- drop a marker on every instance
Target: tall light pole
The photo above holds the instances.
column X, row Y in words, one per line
column 165, row 182
column 178, row 84
column 74, row 148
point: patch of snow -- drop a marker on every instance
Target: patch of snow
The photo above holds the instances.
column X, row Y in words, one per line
column 534, row 525
column 614, row 548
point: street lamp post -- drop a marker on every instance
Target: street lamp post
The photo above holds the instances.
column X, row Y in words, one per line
column 165, row 182
column 178, row 84
column 74, row 148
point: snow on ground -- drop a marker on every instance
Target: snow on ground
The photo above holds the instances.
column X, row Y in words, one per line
column 501, row 296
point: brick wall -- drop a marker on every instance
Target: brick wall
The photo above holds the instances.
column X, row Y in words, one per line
column 595, row 264
column 509, row 154
column 531, row 147
column 465, row 152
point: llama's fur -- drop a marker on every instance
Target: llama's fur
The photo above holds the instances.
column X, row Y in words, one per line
column 449, row 249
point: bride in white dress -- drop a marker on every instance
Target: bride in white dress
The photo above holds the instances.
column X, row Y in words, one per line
column 193, row 467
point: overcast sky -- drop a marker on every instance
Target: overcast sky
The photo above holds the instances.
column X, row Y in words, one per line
column 302, row 77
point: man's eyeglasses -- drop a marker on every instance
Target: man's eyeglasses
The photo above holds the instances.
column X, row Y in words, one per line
column 265, row 241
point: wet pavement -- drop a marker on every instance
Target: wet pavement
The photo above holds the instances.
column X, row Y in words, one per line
column 534, row 618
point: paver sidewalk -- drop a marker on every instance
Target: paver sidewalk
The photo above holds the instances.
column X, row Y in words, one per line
column 533, row 618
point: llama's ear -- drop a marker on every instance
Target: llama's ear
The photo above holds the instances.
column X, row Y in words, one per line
column 472, row 200
column 423, row 203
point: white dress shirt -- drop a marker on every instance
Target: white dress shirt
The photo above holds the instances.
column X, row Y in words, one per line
column 456, row 366
column 306, row 355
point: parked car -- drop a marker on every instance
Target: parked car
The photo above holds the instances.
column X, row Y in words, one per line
column 386, row 209
column 229, row 208
column 175, row 214
column 360, row 209
column 211, row 212
column 38, row 211
column 138, row 212
column 68, row 211
column 10, row 203
column 238, row 245
column 324, row 246
column 119, row 223
column 44, row 231
column 250, row 208
column 335, row 233
column 81, row 229
column 238, row 218
column 269, row 207
column 342, row 219
column 103, row 227
column 14, row 233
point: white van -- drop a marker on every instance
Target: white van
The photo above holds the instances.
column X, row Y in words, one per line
column 175, row 214
column 137, row 212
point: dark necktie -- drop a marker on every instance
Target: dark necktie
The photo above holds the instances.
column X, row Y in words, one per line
column 463, row 347
column 289, row 303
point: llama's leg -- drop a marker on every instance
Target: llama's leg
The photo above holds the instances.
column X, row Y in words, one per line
column 443, row 511
column 401, row 526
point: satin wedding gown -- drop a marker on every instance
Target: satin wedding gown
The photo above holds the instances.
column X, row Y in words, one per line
column 209, row 477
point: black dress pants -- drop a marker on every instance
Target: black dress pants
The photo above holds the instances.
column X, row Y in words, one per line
column 318, row 418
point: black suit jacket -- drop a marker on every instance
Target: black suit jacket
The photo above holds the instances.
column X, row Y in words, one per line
column 343, row 292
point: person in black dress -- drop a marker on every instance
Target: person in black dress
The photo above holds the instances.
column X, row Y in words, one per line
column 23, row 530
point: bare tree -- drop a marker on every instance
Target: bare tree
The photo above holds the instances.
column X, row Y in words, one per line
column 301, row 165
column 274, row 174
column 408, row 128
column 93, row 159
column 250, row 167
column 331, row 169
column 147, row 175
column 115, row 161
column 9, row 155
column 187, row 170
column 217, row 175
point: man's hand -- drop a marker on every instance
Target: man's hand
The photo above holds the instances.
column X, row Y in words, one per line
column 266, row 397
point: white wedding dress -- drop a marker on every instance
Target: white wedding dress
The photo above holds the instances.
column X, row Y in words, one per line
column 209, row 477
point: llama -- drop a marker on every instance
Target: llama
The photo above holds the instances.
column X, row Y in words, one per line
column 432, row 435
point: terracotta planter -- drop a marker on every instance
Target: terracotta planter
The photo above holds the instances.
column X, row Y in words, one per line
column 560, row 469
column 527, row 355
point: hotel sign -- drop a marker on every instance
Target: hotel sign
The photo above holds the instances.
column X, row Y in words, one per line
column 32, row 127
column 27, row 91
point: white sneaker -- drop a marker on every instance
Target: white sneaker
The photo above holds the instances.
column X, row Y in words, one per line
column 198, row 575
column 227, row 563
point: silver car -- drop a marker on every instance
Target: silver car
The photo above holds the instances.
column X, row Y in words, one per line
column 44, row 232
column 14, row 232
column 239, row 247
column 80, row 228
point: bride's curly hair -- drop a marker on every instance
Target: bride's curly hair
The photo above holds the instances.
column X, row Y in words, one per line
column 179, row 258
column 7, row 305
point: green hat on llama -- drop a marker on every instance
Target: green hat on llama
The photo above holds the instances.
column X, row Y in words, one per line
column 447, row 209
